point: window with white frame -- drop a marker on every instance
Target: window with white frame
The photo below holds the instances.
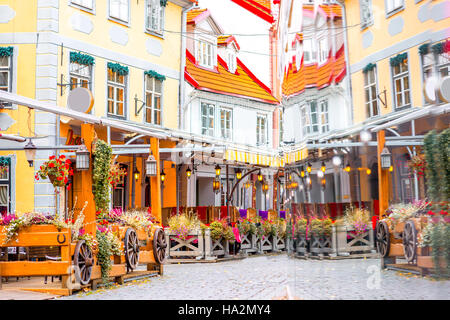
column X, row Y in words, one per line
column 88, row 4
column 205, row 54
column 324, row 121
column 153, row 92
column 5, row 77
column 366, row 13
column 402, row 91
column 306, row 123
column 226, row 123
column 80, row 75
column 323, row 50
column 428, row 66
column 309, row 51
column 116, row 93
column 5, row 186
column 155, row 16
column 393, row 5
column 207, row 119
column 261, row 129
column 119, row 9
column 370, row 90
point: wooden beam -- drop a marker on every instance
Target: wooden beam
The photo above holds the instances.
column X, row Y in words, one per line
column 86, row 195
column 32, row 268
column 383, row 176
column 155, row 182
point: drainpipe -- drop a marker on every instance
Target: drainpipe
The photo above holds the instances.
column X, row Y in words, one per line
column 347, row 66
column 183, row 64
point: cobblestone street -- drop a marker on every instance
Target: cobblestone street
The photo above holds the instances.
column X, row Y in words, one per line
column 266, row 277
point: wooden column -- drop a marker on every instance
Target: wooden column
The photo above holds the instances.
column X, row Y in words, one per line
column 155, row 182
column 87, row 134
column 383, row 176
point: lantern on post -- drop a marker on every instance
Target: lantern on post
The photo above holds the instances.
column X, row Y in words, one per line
column 323, row 167
column 323, row 183
column 82, row 157
column 216, row 185
column 386, row 159
column 188, row 172
column 150, row 165
column 260, row 176
column 30, row 152
column 163, row 176
column 238, row 174
column 136, row 174
column 265, row 187
column 309, row 168
column 347, row 168
column 302, row 172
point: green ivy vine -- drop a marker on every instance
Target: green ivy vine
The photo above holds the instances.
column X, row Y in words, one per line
column 102, row 161
column 431, row 172
column 6, row 51
column 424, row 49
column 398, row 59
column 82, row 58
column 369, row 67
column 104, row 256
column 154, row 74
column 444, row 154
column 115, row 67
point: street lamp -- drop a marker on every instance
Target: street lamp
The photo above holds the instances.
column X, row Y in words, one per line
column 188, row 172
column 30, row 152
column 163, row 176
column 323, row 167
column 216, row 185
column 368, row 171
column 82, row 158
column 136, row 174
column 150, row 165
column 386, row 159
column 302, row 172
column 347, row 167
column 238, row 174
column 217, row 170
column 323, row 183
column 265, row 187
column 309, row 168
column 260, row 176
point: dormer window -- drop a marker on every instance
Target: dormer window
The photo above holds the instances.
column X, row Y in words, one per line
column 231, row 62
column 309, row 51
column 205, row 54
column 298, row 55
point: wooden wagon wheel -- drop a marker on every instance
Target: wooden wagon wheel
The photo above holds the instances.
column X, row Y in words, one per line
column 159, row 246
column 131, row 245
column 83, row 261
column 409, row 237
column 383, row 238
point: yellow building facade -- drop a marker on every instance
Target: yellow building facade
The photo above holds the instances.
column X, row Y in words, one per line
column 127, row 53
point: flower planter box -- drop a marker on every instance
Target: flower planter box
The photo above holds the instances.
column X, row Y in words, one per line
column 265, row 244
column 320, row 245
column 345, row 242
column 215, row 249
column 301, row 248
column 428, row 263
column 249, row 243
column 192, row 247
column 278, row 244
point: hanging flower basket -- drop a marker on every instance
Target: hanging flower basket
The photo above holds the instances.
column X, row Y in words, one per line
column 57, row 170
column 417, row 164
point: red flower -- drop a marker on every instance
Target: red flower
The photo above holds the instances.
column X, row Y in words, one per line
column 71, row 172
column 51, row 165
column 444, row 213
column 52, row 157
column 69, row 186
column 60, row 178
column 66, row 180
column 431, row 213
column 62, row 156
column 67, row 166
column 68, row 161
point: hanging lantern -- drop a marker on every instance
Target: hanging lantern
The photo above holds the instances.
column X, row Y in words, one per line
column 30, row 152
column 323, row 167
column 238, row 174
column 323, row 183
column 163, row 176
column 368, row 171
column 188, row 172
column 136, row 174
column 150, row 166
column 216, row 185
column 82, row 158
column 217, row 170
column 309, row 168
column 260, row 176
column 386, row 160
column 265, row 187
column 391, row 168
column 302, row 172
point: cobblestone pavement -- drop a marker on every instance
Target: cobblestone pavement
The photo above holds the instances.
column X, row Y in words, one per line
column 265, row 277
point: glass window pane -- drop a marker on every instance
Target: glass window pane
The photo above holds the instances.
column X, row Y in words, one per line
column 110, row 92
column 4, row 78
column 407, row 98
column 119, row 95
column 158, row 86
column 4, row 61
column 110, row 106
column 120, row 109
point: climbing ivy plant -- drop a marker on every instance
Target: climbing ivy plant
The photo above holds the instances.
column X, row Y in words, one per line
column 444, row 161
column 102, row 161
column 432, row 172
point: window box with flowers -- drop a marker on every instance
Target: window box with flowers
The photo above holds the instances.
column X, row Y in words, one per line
column 217, row 239
column 301, row 237
column 279, row 237
column 267, row 232
column 249, row 237
column 320, row 237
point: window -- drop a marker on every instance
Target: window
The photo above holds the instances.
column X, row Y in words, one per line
column 323, row 50
column 366, row 13
column 116, row 93
column 401, row 84
column 5, row 186
column 226, row 124
column 80, row 75
column 153, row 91
column 393, row 5
column 324, row 122
column 280, row 125
column 309, row 51
column 118, row 9
column 370, row 89
column 5, row 77
column 155, row 16
column 88, row 4
column 205, row 54
column 261, row 130
column 305, row 120
column 428, row 66
column 207, row 119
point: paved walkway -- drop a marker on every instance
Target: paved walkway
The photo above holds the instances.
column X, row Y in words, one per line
column 266, row 277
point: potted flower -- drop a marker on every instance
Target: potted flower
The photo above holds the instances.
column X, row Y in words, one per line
column 57, row 170
column 116, row 174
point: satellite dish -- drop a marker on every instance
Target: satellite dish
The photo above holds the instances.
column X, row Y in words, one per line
column 80, row 99
column 431, row 84
column 444, row 92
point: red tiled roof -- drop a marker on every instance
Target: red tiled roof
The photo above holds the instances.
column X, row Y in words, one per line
column 225, row 40
column 314, row 76
column 242, row 83
column 261, row 8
